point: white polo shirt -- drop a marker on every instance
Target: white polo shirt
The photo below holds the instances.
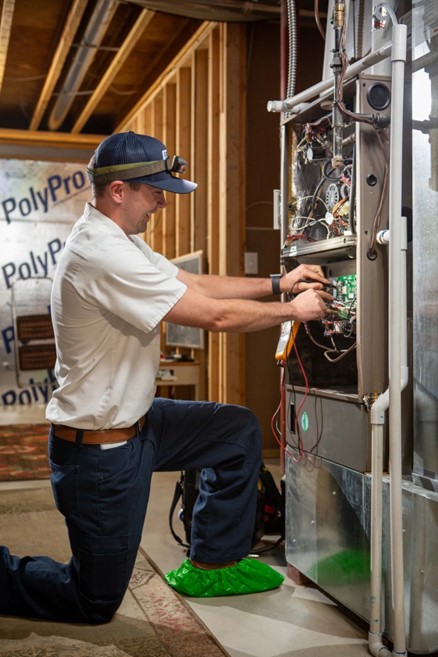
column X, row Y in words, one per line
column 109, row 294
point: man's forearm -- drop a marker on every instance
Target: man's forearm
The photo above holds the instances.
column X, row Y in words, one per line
column 229, row 287
column 242, row 315
column 241, row 287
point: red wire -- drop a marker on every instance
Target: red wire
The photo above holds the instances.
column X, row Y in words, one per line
column 276, row 436
column 297, row 426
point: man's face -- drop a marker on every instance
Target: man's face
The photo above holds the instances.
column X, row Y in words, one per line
column 139, row 206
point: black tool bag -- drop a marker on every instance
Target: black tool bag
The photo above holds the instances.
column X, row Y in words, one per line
column 270, row 515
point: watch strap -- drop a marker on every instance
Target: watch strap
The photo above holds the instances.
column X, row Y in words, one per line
column 275, row 280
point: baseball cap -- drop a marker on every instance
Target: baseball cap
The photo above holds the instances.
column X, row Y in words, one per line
column 138, row 158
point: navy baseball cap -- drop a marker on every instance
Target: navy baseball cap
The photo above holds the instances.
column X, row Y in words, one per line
column 132, row 157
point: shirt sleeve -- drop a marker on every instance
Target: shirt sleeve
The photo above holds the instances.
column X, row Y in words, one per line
column 135, row 284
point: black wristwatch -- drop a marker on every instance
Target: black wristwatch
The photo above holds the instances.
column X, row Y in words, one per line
column 275, row 280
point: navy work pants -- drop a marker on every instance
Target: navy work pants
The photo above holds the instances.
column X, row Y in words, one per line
column 103, row 495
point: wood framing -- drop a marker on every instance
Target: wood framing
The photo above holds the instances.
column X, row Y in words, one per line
column 198, row 110
column 169, row 137
column 232, row 195
column 183, row 137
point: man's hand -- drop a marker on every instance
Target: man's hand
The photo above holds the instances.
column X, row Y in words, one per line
column 303, row 277
column 310, row 304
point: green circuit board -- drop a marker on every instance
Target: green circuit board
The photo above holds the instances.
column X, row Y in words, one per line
column 344, row 288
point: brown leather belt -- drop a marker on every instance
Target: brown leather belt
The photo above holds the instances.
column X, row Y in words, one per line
column 91, row 437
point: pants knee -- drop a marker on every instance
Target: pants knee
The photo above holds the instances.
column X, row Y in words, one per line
column 250, row 426
column 98, row 612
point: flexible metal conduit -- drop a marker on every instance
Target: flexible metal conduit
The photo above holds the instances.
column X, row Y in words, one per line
column 292, row 29
column 92, row 38
column 291, row 79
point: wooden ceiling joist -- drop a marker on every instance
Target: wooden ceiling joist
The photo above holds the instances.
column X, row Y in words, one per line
column 185, row 53
column 5, row 34
column 38, row 145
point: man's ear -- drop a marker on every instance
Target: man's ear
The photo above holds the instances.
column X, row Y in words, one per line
column 117, row 190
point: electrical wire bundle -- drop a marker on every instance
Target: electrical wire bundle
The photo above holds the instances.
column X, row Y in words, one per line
column 328, row 207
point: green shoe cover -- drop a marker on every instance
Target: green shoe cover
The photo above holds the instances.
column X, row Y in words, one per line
column 246, row 576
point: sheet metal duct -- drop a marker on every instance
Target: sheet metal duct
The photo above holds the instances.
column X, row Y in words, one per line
column 216, row 10
column 86, row 51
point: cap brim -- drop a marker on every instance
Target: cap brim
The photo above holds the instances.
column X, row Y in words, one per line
column 169, row 184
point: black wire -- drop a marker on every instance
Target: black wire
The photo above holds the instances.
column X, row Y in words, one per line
column 176, row 496
column 317, row 190
column 326, row 173
column 319, row 431
column 268, row 547
column 353, row 194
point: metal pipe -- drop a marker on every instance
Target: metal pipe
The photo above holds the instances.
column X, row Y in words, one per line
column 328, row 42
column 336, row 66
column 283, row 235
column 375, row 644
column 397, row 335
column 381, row 32
column 288, row 17
column 396, row 236
column 290, row 63
column 284, row 228
column 352, row 70
column 85, row 54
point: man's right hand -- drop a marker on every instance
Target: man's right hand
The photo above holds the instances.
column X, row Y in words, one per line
column 310, row 304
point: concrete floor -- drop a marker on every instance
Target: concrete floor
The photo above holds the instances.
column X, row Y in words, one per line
column 292, row 621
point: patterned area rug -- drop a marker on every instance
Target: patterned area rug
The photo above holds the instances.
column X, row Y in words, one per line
column 23, row 452
column 153, row 621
